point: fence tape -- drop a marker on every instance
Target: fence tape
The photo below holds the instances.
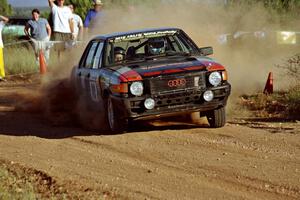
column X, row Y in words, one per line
column 51, row 43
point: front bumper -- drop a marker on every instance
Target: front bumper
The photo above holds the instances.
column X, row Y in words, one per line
column 171, row 103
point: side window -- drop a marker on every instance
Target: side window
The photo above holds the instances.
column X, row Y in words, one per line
column 174, row 45
column 182, row 44
column 98, row 56
column 90, row 57
column 108, row 58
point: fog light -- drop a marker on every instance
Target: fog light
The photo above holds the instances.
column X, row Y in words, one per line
column 208, row 95
column 149, row 103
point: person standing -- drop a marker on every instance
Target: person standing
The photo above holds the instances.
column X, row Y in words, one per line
column 78, row 24
column 39, row 31
column 92, row 13
column 63, row 26
column 3, row 20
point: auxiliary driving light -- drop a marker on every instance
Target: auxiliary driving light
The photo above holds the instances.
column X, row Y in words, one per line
column 149, row 103
column 208, row 95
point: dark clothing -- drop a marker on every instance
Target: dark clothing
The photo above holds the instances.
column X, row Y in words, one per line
column 89, row 17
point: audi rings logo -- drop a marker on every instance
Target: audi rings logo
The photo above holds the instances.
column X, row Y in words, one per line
column 177, row 82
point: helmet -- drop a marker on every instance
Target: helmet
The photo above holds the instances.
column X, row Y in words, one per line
column 119, row 54
column 119, row 50
column 156, row 46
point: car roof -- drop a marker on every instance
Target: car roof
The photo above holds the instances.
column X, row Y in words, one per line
column 117, row 34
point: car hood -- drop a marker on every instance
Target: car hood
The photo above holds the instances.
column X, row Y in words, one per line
column 150, row 69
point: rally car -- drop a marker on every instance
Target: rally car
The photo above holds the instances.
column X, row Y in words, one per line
column 147, row 74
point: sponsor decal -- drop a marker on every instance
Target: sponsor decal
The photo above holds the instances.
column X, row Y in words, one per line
column 144, row 35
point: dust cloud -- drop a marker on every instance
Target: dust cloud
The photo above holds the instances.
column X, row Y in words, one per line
column 247, row 58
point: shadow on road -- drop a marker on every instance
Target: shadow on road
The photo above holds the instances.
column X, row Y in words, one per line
column 34, row 124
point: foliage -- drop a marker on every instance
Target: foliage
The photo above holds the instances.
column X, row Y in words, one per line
column 279, row 5
column 26, row 12
column 81, row 6
column 280, row 104
column 292, row 68
column 11, row 187
column 5, row 8
column 24, row 64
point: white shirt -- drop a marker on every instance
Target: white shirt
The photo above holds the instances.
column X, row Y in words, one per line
column 77, row 23
column 1, row 27
column 61, row 17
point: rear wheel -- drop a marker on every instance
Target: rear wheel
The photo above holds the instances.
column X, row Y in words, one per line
column 116, row 124
column 216, row 118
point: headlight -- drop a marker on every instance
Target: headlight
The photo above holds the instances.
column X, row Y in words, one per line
column 137, row 88
column 215, row 78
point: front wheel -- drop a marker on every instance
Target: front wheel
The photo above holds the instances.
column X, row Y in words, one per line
column 116, row 123
column 216, row 118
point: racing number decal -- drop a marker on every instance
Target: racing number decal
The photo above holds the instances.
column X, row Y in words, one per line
column 94, row 91
column 82, row 81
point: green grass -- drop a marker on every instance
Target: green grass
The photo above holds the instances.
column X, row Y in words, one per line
column 12, row 187
column 18, row 60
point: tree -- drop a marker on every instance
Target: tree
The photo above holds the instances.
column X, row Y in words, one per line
column 81, row 6
column 5, row 8
column 280, row 5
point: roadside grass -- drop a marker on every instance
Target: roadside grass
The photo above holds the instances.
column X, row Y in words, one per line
column 12, row 187
column 19, row 60
column 19, row 182
column 282, row 104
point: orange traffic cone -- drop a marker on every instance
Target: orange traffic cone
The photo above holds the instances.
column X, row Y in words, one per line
column 269, row 84
column 43, row 66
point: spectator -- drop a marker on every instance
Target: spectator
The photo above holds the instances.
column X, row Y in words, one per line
column 3, row 20
column 92, row 13
column 63, row 26
column 39, row 31
column 78, row 25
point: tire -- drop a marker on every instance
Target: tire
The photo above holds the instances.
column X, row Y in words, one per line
column 116, row 124
column 216, row 118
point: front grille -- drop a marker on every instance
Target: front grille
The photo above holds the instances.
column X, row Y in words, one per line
column 175, row 83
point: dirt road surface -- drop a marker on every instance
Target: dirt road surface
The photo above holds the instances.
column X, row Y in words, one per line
column 162, row 160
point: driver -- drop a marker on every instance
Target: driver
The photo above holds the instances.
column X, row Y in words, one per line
column 119, row 54
column 156, row 46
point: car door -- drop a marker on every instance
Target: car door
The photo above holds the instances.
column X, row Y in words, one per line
column 84, row 72
column 96, row 71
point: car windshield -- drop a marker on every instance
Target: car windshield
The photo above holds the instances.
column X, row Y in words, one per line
column 148, row 45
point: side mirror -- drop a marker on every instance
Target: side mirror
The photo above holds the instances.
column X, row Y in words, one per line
column 205, row 51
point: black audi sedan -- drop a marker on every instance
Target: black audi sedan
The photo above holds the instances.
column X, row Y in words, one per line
column 147, row 74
